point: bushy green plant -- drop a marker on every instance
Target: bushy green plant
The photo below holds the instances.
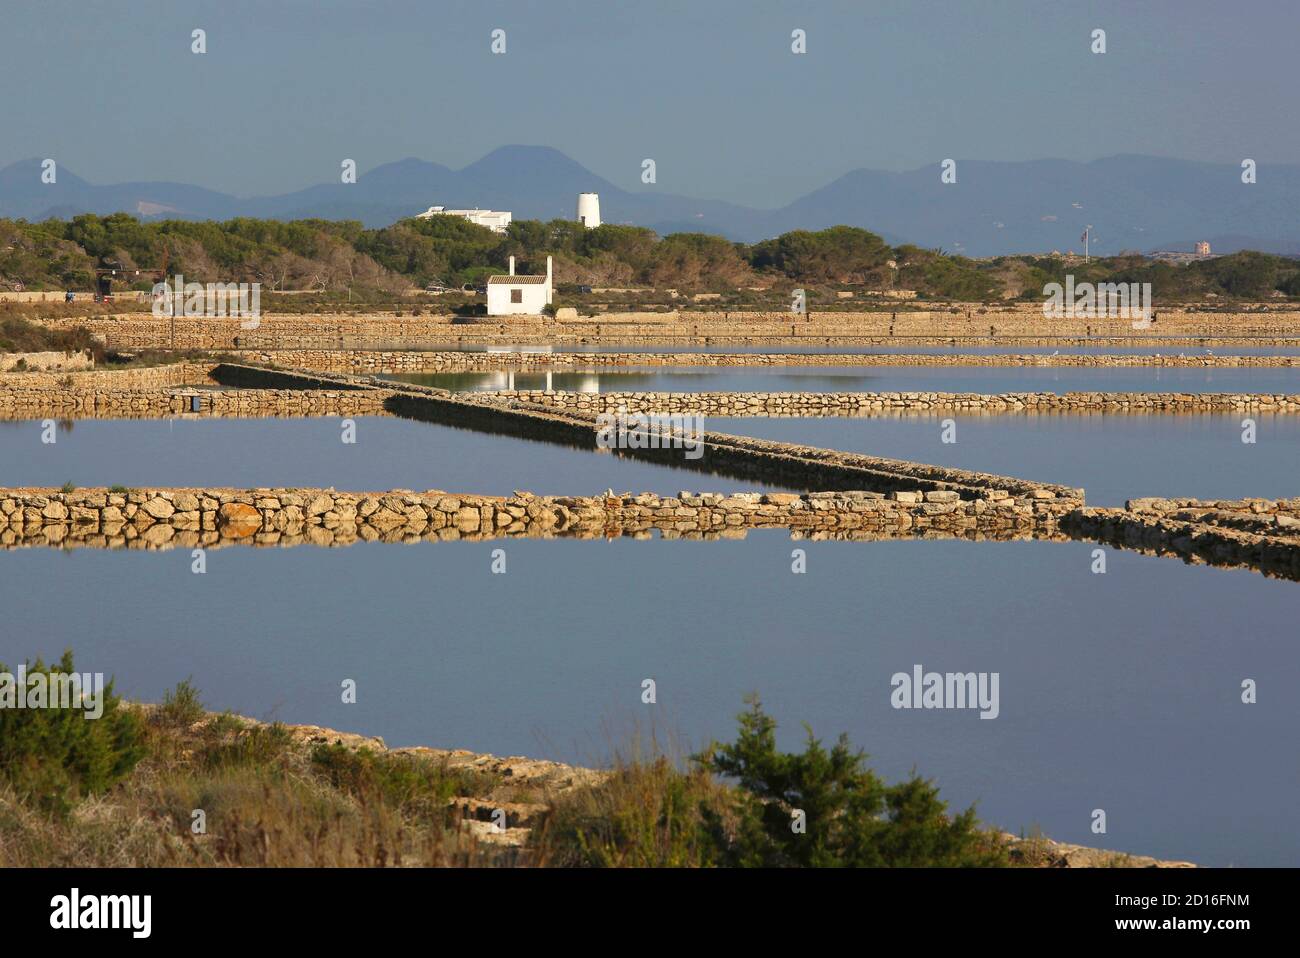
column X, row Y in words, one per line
column 645, row 815
column 746, row 804
column 54, row 756
column 231, row 745
column 820, row 808
column 402, row 782
column 181, row 707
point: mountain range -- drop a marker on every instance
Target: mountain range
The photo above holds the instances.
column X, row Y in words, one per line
column 994, row 208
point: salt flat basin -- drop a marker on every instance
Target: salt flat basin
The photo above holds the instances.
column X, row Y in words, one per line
column 1118, row 691
column 977, row 379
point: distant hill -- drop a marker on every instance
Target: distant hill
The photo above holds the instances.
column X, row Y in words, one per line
column 994, row 208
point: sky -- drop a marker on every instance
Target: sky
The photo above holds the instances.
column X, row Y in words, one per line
column 709, row 89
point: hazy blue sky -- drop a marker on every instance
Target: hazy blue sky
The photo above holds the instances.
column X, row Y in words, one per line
column 709, row 89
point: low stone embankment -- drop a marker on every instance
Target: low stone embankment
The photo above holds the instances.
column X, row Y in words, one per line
column 1260, row 534
column 733, row 404
column 432, row 361
column 183, row 401
column 941, row 321
column 48, row 360
column 253, row 391
column 784, row 464
column 168, row 518
column 133, row 391
column 132, row 377
column 788, row 465
column 184, row 388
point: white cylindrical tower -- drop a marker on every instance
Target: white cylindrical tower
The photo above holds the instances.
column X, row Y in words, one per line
column 589, row 210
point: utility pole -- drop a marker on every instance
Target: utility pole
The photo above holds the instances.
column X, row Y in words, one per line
column 1087, row 233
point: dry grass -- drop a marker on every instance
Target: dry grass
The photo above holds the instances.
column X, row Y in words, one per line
column 266, row 799
column 645, row 815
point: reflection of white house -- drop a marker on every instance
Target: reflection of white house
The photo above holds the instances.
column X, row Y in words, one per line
column 511, row 294
column 504, row 379
column 495, row 220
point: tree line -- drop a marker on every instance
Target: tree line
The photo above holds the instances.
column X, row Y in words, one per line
column 333, row 256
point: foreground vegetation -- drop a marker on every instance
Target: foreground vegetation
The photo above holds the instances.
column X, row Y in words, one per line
column 344, row 258
column 175, row 785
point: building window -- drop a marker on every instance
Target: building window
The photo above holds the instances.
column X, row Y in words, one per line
column 516, row 296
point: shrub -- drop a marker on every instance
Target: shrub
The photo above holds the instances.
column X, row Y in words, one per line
column 406, row 783
column 54, row 756
column 181, row 707
column 256, row 746
column 645, row 815
column 653, row 814
column 852, row 817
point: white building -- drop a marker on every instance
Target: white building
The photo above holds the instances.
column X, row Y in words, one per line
column 495, row 220
column 589, row 210
column 510, row 294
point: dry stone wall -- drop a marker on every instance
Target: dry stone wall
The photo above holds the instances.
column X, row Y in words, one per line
column 1260, row 534
column 47, row 361
column 164, row 518
column 225, row 403
column 785, row 464
column 863, row 403
column 431, row 361
column 143, row 377
column 334, row 331
column 132, row 391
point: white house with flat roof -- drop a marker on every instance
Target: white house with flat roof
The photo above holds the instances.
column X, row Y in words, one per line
column 511, row 295
column 495, row 220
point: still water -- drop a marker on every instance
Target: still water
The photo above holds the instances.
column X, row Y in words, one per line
column 1118, row 691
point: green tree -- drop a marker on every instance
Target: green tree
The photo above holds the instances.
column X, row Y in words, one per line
column 696, row 259
column 852, row 817
column 53, row 756
column 841, row 254
column 1248, row 275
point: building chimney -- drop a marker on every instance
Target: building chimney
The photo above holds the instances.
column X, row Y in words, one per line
column 512, row 266
column 548, row 281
